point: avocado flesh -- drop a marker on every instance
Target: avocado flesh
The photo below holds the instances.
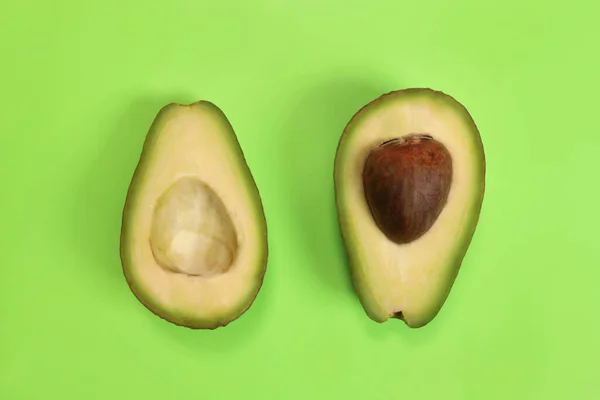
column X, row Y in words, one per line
column 409, row 280
column 194, row 235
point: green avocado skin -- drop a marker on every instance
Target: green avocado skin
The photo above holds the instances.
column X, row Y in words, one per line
column 177, row 317
column 350, row 238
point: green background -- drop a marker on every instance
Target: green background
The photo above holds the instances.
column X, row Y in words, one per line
column 82, row 81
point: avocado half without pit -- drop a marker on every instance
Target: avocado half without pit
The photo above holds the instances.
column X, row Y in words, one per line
column 194, row 235
column 409, row 184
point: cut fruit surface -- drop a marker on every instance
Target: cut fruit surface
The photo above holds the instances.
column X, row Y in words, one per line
column 409, row 185
column 194, row 235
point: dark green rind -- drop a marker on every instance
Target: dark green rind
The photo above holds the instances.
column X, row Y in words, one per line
column 171, row 316
column 361, row 290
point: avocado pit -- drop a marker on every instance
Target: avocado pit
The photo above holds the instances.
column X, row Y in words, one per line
column 406, row 184
column 192, row 232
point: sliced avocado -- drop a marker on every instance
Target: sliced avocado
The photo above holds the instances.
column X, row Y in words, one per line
column 409, row 184
column 194, row 234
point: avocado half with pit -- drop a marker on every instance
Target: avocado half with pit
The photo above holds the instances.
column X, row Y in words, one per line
column 194, row 234
column 409, row 186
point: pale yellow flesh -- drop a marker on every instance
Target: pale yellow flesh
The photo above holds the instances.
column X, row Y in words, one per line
column 411, row 278
column 191, row 142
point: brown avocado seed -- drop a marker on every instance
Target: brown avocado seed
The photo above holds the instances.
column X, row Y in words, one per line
column 406, row 184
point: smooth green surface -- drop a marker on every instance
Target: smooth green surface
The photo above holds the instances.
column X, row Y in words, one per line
column 81, row 83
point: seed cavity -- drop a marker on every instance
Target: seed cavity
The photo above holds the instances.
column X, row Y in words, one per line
column 192, row 232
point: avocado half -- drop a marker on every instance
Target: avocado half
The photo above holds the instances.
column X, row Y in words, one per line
column 194, row 234
column 409, row 185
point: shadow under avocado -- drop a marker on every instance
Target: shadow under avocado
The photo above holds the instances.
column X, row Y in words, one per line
column 311, row 133
column 396, row 328
column 98, row 207
column 97, row 218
